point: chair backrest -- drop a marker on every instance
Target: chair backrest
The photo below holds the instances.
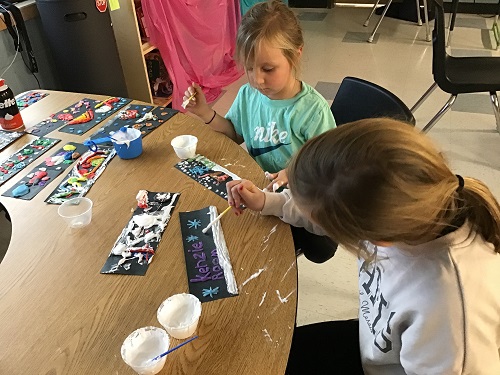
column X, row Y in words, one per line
column 358, row 99
column 439, row 54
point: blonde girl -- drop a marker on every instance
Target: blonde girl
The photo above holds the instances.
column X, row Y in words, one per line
column 275, row 113
column 428, row 243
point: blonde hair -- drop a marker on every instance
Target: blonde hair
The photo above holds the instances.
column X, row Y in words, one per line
column 272, row 22
column 382, row 180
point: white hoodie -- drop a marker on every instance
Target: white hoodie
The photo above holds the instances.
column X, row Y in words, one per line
column 428, row 309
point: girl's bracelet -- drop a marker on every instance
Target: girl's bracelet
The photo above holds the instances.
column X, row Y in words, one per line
column 215, row 113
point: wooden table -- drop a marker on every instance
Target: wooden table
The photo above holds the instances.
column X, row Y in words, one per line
column 59, row 315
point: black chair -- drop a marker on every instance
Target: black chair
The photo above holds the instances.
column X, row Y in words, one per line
column 358, row 99
column 386, row 7
column 459, row 75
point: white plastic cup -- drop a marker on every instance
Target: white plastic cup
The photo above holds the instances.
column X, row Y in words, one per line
column 141, row 346
column 185, row 146
column 179, row 315
column 77, row 212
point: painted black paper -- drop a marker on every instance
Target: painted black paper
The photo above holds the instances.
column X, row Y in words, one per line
column 83, row 175
column 86, row 112
column 145, row 118
column 6, row 138
column 23, row 157
column 207, row 173
column 25, row 100
column 135, row 247
column 207, row 273
column 52, row 167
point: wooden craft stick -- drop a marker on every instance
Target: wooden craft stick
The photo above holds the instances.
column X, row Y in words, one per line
column 215, row 220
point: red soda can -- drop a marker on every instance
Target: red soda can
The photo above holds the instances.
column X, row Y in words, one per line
column 10, row 117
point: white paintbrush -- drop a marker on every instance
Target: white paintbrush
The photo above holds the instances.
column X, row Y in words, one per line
column 215, row 220
column 186, row 102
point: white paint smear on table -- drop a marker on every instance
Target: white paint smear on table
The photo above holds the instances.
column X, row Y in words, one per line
column 256, row 274
column 266, row 238
column 263, row 298
column 285, row 299
column 267, row 335
column 283, row 278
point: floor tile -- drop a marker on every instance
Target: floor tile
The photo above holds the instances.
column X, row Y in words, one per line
column 312, row 16
column 327, row 89
column 473, row 103
column 357, row 37
column 473, row 23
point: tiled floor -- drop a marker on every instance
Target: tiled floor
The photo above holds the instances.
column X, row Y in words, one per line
column 399, row 60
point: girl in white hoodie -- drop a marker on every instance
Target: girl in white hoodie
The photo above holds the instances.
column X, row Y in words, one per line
column 428, row 243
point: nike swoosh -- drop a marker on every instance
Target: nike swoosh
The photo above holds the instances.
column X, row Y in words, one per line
column 264, row 150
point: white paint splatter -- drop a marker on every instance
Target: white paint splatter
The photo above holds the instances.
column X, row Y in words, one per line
column 267, row 335
column 285, row 299
column 256, row 274
column 266, row 238
column 263, row 298
column 283, row 278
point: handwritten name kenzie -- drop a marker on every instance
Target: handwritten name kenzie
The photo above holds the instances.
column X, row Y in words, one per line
column 204, row 271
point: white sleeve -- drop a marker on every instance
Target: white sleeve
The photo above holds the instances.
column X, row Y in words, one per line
column 283, row 205
column 434, row 343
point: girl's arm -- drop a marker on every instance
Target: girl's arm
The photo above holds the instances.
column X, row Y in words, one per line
column 245, row 193
column 198, row 106
column 220, row 124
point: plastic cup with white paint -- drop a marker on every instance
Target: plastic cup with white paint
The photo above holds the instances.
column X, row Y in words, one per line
column 179, row 315
column 185, row 146
column 141, row 346
column 77, row 212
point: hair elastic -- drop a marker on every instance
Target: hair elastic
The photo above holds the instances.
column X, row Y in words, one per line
column 215, row 113
column 461, row 183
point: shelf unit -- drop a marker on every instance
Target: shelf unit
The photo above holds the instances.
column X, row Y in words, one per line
column 132, row 50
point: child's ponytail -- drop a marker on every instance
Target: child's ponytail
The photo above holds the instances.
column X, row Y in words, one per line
column 482, row 210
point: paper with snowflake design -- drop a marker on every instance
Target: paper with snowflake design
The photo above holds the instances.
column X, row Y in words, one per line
column 207, row 173
column 209, row 271
column 135, row 247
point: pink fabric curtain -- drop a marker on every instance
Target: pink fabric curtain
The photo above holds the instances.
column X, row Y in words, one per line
column 196, row 39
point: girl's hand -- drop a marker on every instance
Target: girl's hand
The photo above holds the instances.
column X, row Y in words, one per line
column 244, row 193
column 278, row 180
column 198, row 103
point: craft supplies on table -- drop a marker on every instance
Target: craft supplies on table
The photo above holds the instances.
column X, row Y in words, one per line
column 209, row 174
column 135, row 247
column 144, row 118
column 45, row 172
column 23, row 157
column 29, row 98
column 209, row 270
column 80, row 117
column 83, row 175
column 7, row 137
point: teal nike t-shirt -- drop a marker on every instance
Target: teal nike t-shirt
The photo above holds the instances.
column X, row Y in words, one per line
column 273, row 130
